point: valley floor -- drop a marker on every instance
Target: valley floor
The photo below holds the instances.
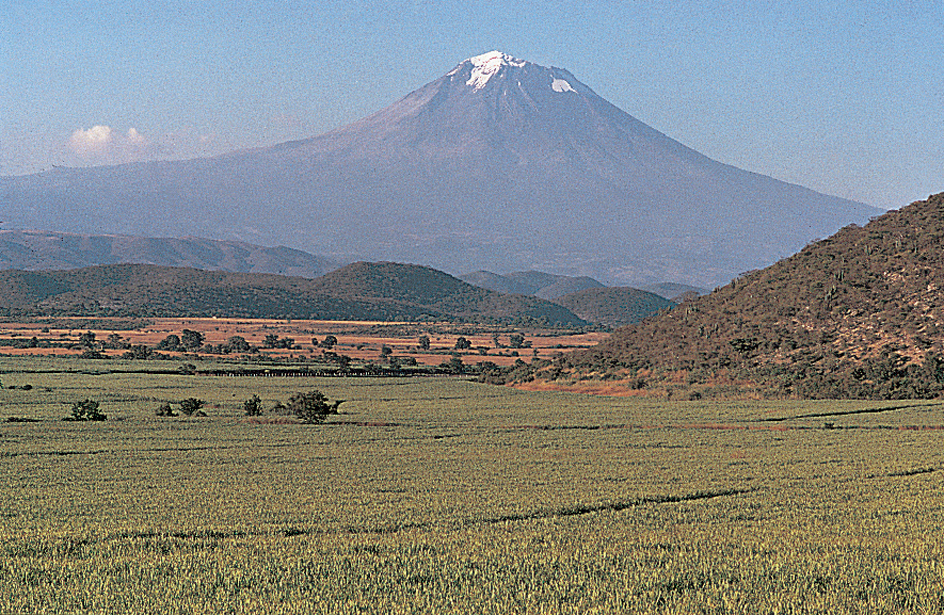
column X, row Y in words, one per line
column 446, row 496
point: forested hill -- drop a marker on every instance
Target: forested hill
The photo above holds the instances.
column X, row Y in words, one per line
column 362, row 291
column 860, row 314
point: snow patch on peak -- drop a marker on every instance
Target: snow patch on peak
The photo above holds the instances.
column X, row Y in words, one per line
column 496, row 56
column 560, row 86
column 487, row 65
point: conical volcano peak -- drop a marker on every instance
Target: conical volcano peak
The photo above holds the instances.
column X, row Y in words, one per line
column 502, row 164
column 486, row 66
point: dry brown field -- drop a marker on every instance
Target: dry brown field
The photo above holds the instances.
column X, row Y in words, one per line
column 360, row 340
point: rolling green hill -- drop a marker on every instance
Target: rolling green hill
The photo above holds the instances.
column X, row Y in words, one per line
column 361, row 291
column 860, row 314
column 423, row 290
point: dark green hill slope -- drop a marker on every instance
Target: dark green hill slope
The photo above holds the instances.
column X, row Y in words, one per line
column 860, row 314
column 363, row 291
column 614, row 306
column 151, row 290
column 418, row 287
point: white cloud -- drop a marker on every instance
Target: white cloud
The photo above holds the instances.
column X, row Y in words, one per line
column 101, row 144
column 104, row 144
column 136, row 138
column 95, row 140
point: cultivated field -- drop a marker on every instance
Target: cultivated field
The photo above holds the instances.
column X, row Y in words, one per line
column 432, row 495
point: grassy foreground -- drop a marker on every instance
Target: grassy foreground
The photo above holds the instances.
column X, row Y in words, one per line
column 444, row 496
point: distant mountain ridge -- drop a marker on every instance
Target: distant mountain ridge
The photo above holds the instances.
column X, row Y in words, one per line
column 39, row 250
column 675, row 292
column 499, row 164
column 360, row 291
column 857, row 315
column 614, row 306
column 538, row 283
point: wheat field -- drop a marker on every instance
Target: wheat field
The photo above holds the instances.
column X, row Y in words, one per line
column 445, row 496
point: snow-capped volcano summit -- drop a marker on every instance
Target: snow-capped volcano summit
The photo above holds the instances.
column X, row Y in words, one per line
column 491, row 64
column 500, row 164
column 485, row 66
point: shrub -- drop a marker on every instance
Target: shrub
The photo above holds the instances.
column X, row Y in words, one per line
column 191, row 406
column 165, row 410
column 312, row 407
column 86, row 410
column 253, row 406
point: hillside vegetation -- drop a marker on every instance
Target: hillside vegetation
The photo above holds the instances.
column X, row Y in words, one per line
column 361, row 291
column 860, row 315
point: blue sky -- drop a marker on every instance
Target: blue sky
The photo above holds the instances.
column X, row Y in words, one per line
column 843, row 97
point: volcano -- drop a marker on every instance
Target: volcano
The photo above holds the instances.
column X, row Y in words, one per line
column 500, row 165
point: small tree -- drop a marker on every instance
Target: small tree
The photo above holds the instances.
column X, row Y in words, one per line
column 329, row 342
column 115, row 342
column 237, row 343
column 138, row 351
column 463, row 344
column 86, row 410
column 341, row 360
column 312, row 407
column 87, row 339
column 453, row 366
column 191, row 340
column 171, row 342
column 253, row 406
column 424, row 342
column 516, row 340
column 191, row 406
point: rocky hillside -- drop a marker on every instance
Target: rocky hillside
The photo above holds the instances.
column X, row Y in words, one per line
column 857, row 315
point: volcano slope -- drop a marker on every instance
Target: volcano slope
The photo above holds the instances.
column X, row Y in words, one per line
column 501, row 164
column 857, row 315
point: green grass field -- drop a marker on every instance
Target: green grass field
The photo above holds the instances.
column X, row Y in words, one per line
column 445, row 496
